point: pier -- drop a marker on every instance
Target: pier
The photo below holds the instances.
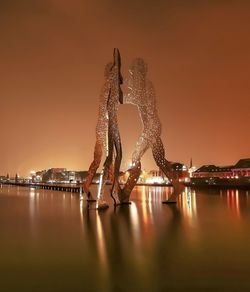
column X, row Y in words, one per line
column 47, row 186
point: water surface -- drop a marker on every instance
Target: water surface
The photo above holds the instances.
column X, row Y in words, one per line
column 52, row 241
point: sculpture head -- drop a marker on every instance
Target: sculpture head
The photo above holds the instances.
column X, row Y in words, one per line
column 108, row 69
column 117, row 63
column 138, row 68
column 136, row 81
column 112, row 74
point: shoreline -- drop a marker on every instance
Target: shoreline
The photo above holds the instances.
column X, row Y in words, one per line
column 74, row 188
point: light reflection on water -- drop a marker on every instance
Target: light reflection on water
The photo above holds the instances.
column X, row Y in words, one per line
column 147, row 246
column 233, row 201
column 187, row 203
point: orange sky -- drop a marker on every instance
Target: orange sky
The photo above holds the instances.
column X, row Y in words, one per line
column 52, row 58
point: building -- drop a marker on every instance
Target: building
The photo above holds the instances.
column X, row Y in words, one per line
column 207, row 171
column 242, row 168
column 158, row 177
column 239, row 170
column 60, row 175
column 3, row 178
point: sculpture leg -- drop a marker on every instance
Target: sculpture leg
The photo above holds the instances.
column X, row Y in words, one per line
column 165, row 166
column 134, row 173
column 101, row 203
column 93, row 168
column 115, row 190
column 111, row 172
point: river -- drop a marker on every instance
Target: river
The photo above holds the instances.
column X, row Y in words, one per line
column 52, row 241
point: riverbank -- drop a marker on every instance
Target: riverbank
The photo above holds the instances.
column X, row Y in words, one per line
column 195, row 183
column 222, row 183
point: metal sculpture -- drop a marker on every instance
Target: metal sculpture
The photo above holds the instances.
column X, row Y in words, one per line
column 140, row 92
column 113, row 147
column 101, row 131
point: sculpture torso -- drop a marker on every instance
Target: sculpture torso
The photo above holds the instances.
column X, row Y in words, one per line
column 141, row 93
column 102, row 122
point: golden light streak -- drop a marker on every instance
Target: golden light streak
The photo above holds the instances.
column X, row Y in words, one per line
column 188, row 205
column 101, row 241
column 135, row 223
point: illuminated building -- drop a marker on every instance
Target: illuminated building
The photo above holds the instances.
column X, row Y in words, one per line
column 207, row 171
column 237, row 175
column 3, row 178
column 61, row 175
column 240, row 169
column 155, row 176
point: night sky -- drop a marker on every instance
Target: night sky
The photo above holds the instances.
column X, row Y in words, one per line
column 53, row 54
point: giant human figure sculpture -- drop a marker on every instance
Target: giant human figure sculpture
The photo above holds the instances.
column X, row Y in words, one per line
column 101, row 132
column 140, row 92
column 107, row 133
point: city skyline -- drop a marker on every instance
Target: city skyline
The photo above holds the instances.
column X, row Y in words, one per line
column 52, row 61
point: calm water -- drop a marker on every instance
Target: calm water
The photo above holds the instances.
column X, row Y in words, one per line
column 50, row 241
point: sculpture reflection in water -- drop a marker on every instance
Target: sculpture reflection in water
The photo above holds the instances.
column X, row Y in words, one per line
column 123, row 235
